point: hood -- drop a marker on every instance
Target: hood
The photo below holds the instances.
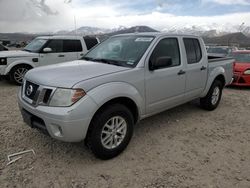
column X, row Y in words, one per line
column 17, row 53
column 66, row 75
column 241, row 67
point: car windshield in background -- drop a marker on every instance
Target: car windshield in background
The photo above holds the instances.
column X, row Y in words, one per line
column 35, row 45
column 121, row 50
column 242, row 57
column 218, row 50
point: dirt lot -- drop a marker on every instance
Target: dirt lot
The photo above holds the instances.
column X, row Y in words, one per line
column 182, row 147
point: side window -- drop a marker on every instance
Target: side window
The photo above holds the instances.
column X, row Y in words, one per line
column 55, row 45
column 90, row 42
column 168, row 47
column 193, row 50
column 72, row 46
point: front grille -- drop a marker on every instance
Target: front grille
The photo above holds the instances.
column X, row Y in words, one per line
column 30, row 90
column 36, row 94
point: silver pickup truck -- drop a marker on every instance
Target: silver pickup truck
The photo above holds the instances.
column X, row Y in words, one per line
column 126, row 78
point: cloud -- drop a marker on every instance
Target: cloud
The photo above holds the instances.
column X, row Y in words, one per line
column 54, row 15
column 232, row 2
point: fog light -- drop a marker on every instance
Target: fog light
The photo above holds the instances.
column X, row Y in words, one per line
column 57, row 130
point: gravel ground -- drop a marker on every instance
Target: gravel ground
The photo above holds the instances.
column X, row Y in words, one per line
column 182, row 147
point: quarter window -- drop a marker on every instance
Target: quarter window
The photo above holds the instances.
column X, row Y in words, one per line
column 167, row 48
column 90, row 42
column 193, row 50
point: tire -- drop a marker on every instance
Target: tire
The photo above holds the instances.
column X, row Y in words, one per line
column 17, row 73
column 213, row 97
column 102, row 135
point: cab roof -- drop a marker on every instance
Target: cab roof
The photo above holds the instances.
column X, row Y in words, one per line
column 60, row 37
column 156, row 34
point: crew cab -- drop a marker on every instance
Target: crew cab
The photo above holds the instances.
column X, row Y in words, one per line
column 124, row 79
column 42, row 51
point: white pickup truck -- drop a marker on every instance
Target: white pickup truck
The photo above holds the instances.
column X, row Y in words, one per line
column 124, row 79
column 42, row 51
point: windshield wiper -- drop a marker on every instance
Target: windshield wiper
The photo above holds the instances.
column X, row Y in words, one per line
column 108, row 61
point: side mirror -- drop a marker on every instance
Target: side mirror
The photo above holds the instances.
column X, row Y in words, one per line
column 47, row 50
column 161, row 62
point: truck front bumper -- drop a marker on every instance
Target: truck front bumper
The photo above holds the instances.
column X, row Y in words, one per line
column 69, row 124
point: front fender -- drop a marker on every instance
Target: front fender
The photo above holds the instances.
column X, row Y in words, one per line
column 109, row 91
column 18, row 62
column 211, row 77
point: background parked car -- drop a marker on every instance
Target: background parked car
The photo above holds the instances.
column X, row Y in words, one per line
column 43, row 51
column 3, row 48
column 241, row 68
column 220, row 51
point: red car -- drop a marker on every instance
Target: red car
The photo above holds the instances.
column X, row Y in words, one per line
column 241, row 68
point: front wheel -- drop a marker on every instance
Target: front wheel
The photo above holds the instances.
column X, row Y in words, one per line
column 110, row 131
column 213, row 97
column 17, row 73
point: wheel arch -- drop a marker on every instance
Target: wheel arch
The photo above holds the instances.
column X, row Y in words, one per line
column 18, row 63
column 217, row 74
column 221, row 78
column 127, row 102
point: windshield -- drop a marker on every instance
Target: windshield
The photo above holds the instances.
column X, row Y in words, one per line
column 242, row 57
column 120, row 50
column 35, row 45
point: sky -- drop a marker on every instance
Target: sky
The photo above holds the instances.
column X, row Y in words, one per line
column 55, row 15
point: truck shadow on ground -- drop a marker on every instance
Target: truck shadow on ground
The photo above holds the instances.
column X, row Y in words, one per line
column 238, row 88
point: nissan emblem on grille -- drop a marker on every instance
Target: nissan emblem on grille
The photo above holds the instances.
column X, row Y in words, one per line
column 29, row 90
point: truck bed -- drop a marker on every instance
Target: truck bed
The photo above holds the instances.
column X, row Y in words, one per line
column 225, row 62
column 212, row 59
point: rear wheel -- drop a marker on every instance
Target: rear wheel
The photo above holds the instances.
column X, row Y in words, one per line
column 110, row 131
column 17, row 73
column 213, row 97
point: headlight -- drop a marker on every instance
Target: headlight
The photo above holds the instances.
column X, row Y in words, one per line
column 66, row 97
column 247, row 72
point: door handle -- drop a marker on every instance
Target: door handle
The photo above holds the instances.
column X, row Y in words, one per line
column 60, row 55
column 181, row 72
column 81, row 54
column 203, row 68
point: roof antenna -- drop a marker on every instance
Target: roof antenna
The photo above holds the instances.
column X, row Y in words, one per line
column 76, row 35
column 75, row 25
column 137, row 29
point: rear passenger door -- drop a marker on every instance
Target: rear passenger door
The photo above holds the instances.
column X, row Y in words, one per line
column 196, row 70
column 72, row 49
column 165, row 87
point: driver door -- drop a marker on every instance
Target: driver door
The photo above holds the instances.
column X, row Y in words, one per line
column 165, row 87
column 55, row 56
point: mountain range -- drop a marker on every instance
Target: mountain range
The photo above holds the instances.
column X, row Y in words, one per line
column 236, row 35
column 213, row 30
